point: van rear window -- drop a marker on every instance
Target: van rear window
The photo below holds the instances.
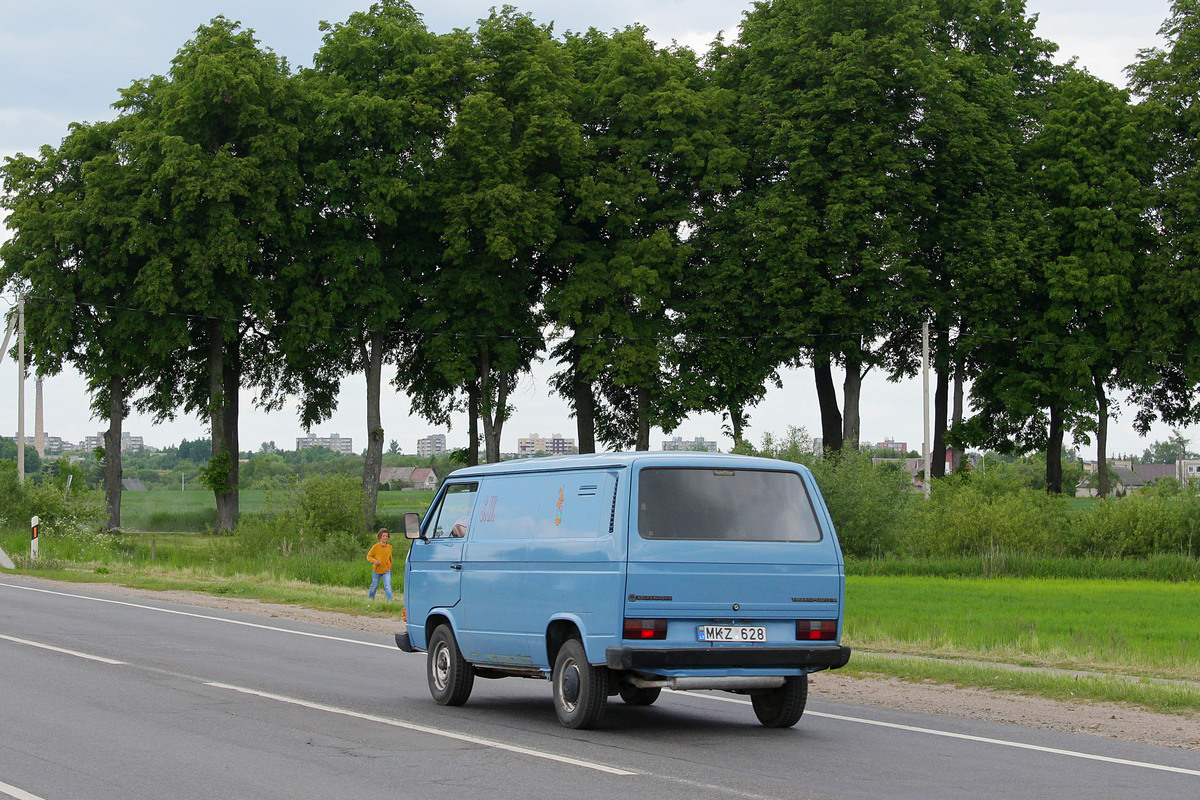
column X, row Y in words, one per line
column 724, row 504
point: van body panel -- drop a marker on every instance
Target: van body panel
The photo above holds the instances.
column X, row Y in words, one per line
column 576, row 545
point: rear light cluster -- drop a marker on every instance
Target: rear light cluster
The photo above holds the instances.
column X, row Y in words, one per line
column 816, row 630
column 645, row 629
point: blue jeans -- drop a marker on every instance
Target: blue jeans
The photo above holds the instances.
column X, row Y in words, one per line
column 387, row 584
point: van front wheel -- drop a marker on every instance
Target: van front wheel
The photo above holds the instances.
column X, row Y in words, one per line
column 450, row 677
column 782, row 707
column 580, row 690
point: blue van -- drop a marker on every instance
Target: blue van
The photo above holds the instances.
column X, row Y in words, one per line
column 624, row 574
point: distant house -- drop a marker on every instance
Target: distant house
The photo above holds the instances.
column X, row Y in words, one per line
column 408, row 478
column 1126, row 476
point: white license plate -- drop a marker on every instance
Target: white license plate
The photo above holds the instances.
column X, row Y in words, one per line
column 731, row 633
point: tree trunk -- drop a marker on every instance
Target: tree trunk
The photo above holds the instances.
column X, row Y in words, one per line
column 223, row 389
column 957, row 453
column 851, row 394
column 1101, row 435
column 472, row 424
column 112, row 451
column 373, row 465
column 492, row 408
column 737, row 423
column 643, row 419
column 1054, row 472
column 585, row 408
column 941, row 402
column 831, row 417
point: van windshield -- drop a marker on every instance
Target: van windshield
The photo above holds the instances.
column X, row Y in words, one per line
column 725, row 504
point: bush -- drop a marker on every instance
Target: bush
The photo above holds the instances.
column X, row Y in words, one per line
column 320, row 515
column 1158, row 520
column 976, row 514
column 56, row 512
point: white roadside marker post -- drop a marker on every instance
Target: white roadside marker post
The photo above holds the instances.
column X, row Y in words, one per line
column 33, row 539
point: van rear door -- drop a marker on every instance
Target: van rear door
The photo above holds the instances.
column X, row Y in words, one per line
column 731, row 548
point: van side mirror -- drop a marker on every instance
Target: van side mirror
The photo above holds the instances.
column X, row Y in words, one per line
column 412, row 525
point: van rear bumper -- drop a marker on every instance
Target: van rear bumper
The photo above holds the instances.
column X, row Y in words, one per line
column 707, row 657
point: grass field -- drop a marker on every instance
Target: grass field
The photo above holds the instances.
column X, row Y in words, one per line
column 195, row 511
column 1140, row 628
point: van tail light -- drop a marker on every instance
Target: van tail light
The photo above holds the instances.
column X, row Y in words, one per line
column 816, row 630
column 645, row 629
column 404, row 615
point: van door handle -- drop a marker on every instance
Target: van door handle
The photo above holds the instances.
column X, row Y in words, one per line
column 456, row 566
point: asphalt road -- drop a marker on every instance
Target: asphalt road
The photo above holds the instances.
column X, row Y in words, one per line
column 107, row 698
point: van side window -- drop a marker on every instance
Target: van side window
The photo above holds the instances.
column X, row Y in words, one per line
column 452, row 518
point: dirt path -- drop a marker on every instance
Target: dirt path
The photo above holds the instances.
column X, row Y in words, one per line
column 1097, row 719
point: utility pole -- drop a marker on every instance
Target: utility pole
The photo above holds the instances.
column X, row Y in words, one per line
column 21, row 388
column 925, row 404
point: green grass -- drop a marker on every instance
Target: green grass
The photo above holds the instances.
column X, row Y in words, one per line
column 1140, row 628
column 195, row 511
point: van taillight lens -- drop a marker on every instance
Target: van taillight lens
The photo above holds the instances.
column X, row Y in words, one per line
column 645, row 629
column 816, row 630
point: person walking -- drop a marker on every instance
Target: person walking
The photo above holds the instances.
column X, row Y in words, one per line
column 380, row 555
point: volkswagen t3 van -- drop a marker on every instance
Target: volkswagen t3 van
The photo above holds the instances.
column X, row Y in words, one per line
column 624, row 574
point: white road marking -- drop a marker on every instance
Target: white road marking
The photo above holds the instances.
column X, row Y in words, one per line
column 462, row 737
column 19, row 794
column 75, row 653
column 969, row 738
column 200, row 616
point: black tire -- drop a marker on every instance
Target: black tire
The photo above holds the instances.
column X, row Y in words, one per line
column 638, row 696
column 782, row 707
column 450, row 677
column 580, row 690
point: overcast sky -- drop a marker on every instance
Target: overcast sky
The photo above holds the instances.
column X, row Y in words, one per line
column 63, row 61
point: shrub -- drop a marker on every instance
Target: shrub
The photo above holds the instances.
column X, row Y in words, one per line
column 973, row 513
column 321, row 514
column 1162, row 520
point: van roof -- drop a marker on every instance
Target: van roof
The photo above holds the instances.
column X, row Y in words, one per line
column 640, row 458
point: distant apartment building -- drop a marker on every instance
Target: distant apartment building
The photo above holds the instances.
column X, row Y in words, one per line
column 432, row 445
column 54, row 444
column 129, row 443
column 555, row 445
column 891, row 444
column 699, row 443
column 334, row 442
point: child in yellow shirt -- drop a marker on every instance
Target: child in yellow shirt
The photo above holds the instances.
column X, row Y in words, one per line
column 380, row 555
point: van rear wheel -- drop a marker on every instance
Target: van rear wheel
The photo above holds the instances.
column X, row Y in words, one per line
column 639, row 696
column 450, row 677
column 580, row 690
column 782, row 707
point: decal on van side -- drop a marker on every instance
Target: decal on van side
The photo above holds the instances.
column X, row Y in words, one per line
column 488, row 512
column 558, row 516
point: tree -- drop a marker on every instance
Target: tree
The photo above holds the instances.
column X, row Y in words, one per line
column 1051, row 366
column 969, row 224
column 1175, row 448
column 480, row 326
column 1168, row 78
column 77, row 251
column 646, row 116
column 831, row 98
column 217, row 143
column 382, row 93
